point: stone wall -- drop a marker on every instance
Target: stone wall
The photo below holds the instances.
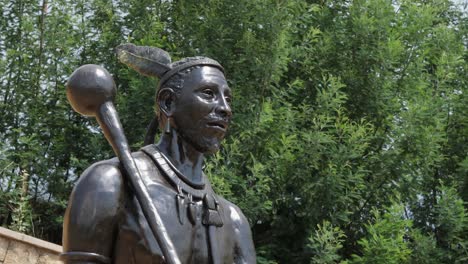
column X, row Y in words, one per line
column 17, row 248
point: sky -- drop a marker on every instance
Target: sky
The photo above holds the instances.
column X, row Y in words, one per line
column 462, row 3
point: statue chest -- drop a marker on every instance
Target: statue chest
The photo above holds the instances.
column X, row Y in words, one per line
column 185, row 220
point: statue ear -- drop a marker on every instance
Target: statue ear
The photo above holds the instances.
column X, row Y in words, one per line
column 166, row 100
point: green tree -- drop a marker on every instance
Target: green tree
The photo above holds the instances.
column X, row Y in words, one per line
column 340, row 109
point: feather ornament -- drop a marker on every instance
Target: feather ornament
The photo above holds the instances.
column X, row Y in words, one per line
column 149, row 61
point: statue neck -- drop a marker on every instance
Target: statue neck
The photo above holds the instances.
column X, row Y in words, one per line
column 183, row 156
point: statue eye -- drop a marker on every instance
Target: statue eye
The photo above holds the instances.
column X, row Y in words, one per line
column 208, row 92
column 228, row 99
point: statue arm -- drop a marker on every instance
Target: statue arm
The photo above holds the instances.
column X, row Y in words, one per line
column 91, row 220
column 244, row 248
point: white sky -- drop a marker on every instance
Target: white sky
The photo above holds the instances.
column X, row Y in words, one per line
column 462, row 3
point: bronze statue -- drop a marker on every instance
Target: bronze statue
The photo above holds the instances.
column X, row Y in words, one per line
column 156, row 205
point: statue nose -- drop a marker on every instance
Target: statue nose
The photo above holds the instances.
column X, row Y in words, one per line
column 224, row 109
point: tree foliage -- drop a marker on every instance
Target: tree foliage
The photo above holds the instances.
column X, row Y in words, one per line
column 349, row 139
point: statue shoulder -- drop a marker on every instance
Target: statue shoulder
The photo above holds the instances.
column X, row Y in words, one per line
column 106, row 177
column 92, row 215
column 101, row 175
column 95, row 209
column 244, row 247
column 233, row 212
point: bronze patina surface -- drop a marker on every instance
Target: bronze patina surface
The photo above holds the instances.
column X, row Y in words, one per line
column 156, row 205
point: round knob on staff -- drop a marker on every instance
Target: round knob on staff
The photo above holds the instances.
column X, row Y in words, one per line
column 89, row 87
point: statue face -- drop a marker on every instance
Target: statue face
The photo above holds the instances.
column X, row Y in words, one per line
column 202, row 110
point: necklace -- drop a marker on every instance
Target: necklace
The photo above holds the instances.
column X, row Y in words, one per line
column 200, row 185
column 174, row 176
column 186, row 191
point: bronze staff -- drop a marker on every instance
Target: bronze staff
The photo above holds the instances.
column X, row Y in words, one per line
column 90, row 91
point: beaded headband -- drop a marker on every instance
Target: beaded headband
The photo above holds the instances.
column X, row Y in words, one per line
column 155, row 62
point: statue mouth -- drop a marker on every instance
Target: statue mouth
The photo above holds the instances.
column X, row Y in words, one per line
column 218, row 125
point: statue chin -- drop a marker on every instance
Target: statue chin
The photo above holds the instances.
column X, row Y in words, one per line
column 206, row 145
column 210, row 147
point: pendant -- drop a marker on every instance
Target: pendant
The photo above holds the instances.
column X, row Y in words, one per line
column 211, row 211
column 192, row 211
column 180, row 203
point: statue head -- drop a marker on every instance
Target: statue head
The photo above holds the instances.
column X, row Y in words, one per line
column 192, row 99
